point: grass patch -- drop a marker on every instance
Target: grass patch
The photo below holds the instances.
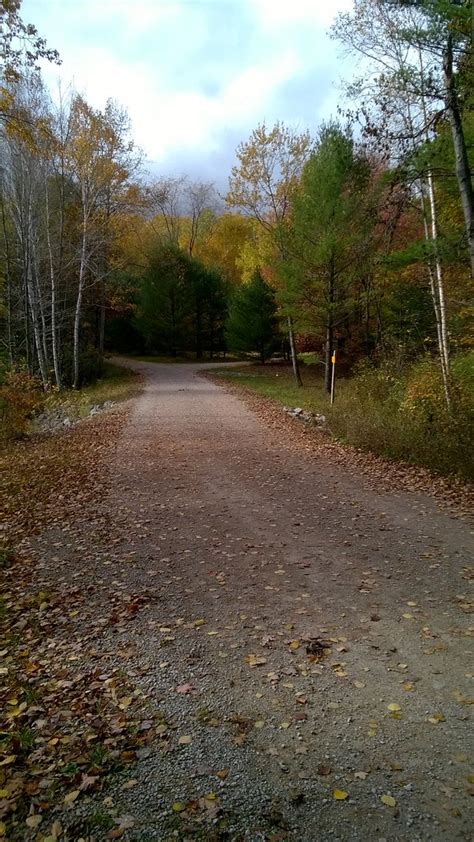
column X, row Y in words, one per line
column 277, row 382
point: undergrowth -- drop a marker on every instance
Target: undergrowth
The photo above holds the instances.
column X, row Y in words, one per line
column 22, row 399
column 395, row 414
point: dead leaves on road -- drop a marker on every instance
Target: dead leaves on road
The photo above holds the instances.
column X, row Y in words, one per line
column 67, row 722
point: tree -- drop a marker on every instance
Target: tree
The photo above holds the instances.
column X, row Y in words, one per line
column 185, row 211
column 21, row 48
column 262, row 185
column 224, row 245
column 182, row 303
column 326, row 234
column 101, row 161
column 252, row 324
column 410, row 47
column 163, row 301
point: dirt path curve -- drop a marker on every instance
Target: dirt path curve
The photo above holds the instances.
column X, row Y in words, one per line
column 245, row 549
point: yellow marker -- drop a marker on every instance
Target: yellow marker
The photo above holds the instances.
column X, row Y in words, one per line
column 333, row 359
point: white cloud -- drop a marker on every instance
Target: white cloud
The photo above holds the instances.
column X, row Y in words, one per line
column 193, row 73
column 281, row 13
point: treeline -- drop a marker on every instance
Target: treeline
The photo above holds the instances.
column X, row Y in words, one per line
column 369, row 241
column 359, row 238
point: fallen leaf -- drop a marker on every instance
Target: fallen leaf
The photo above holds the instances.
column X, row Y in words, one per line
column 340, row 794
column 324, row 771
column 185, row 688
column 437, row 718
column 388, row 800
column 393, row 707
column 71, row 796
column 185, row 741
column 255, row 660
column 34, row 821
column 178, row 807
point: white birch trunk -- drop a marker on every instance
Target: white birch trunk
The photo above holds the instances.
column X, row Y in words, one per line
column 80, row 293
column 52, row 274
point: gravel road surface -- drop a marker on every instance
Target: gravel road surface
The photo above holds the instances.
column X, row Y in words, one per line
column 304, row 637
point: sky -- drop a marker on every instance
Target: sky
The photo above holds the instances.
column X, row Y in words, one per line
column 196, row 76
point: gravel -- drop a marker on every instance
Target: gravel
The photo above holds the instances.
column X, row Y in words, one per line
column 218, row 517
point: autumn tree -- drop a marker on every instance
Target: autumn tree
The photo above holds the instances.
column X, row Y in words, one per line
column 262, row 184
column 21, row 48
column 409, row 50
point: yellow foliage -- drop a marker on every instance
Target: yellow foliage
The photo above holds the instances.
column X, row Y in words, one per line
column 20, row 395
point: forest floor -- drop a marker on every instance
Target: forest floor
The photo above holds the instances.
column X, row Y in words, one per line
column 222, row 626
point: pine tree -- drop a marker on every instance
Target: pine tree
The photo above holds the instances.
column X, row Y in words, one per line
column 252, row 324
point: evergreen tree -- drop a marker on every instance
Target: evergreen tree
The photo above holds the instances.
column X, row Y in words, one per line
column 252, row 324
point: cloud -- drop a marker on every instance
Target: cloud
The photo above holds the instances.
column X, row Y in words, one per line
column 196, row 74
column 281, row 13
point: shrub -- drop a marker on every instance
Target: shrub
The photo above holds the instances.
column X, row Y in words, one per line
column 20, row 396
column 406, row 417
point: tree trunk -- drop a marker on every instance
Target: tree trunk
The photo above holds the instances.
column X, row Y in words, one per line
column 434, row 278
column 78, row 311
column 444, row 350
column 329, row 329
column 102, row 320
column 11, row 353
column 328, row 354
column 198, row 331
column 35, row 324
column 463, row 173
column 54, row 333
column 294, row 358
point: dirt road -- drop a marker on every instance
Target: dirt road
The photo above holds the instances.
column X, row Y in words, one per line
column 307, row 635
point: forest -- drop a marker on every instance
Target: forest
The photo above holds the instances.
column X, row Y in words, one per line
column 356, row 238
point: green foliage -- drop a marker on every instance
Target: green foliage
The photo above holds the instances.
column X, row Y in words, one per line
column 182, row 304
column 252, row 325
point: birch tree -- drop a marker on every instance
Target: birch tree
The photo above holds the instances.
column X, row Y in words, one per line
column 100, row 163
column 404, row 86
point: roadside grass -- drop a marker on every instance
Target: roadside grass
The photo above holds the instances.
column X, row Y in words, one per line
column 399, row 417
column 276, row 381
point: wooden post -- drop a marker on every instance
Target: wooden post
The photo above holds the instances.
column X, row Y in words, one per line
column 333, row 375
